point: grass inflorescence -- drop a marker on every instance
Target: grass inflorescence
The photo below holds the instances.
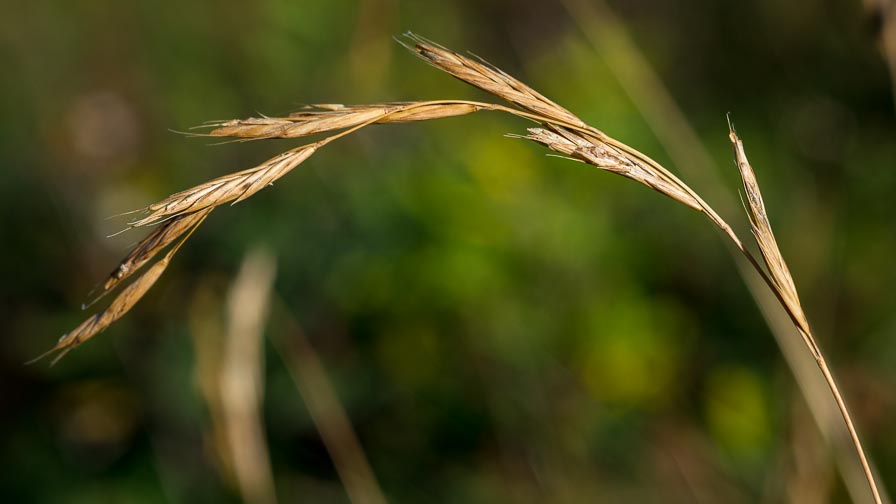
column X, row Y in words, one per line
column 556, row 128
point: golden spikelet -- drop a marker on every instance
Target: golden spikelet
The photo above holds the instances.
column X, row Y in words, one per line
column 612, row 159
column 143, row 252
column 329, row 117
column 490, row 79
column 765, row 238
column 231, row 188
column 124, row 301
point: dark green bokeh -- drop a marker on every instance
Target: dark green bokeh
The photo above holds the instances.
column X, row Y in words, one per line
column 499, row 325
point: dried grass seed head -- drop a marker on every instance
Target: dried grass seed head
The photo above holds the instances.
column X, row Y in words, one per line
column 331, row 117
column 489, row 79
column 165, row 234
column 765, row 238
column 607, row 157
column 231, row 188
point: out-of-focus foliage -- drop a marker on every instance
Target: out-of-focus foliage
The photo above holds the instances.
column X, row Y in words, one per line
column 500, row 326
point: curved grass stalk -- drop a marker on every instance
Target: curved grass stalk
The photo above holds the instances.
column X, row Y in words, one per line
column 562, row 132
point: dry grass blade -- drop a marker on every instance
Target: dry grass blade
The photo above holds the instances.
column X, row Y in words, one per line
column 782, row 283
column 328, row 117
column 241, row 378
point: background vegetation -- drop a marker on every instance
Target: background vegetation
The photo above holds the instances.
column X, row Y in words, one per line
column 500, row 326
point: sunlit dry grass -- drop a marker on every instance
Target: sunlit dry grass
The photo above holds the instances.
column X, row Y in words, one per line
column 558, row 129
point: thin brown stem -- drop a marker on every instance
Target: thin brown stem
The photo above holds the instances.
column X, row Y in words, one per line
column 829, row 378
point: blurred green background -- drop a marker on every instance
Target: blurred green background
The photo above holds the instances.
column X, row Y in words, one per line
column 500, row 326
